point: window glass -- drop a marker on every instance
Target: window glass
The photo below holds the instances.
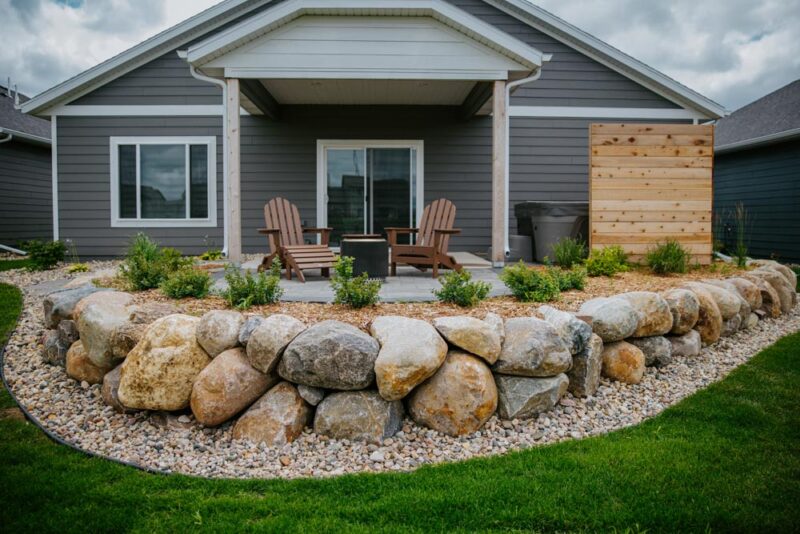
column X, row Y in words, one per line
column 127, row 181
column 198, row 179
column 163, row 181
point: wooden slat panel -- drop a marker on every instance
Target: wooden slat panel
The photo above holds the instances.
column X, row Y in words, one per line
column 651, row 193
column 653, row 140
column 652, row 162
column 652, row 216
column 646, row 172
column 637, row 129
column 650, row 151
column 642, row 248
column 657, row 183
column 650, row 227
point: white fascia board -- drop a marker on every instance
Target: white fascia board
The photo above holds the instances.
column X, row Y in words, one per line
column 137, row 111
column 609, row 56
column 758, row 141
column 140, row 54
column 443, row 12
column 367, row 74
column 26, row 137
column 603, row 113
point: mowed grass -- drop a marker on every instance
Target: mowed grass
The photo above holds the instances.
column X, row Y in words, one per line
column 7, row 265
column 725, row 459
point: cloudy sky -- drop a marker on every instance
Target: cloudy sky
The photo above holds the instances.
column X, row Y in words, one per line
column 732, row 51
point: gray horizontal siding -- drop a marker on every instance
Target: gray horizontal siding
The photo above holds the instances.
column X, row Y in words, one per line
column 84, row 182
column 767, row 181
column 26, row 193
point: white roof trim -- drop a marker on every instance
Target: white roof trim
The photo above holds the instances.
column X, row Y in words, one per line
column 176, row 36
column 26, row 137
column 609, row 56
column 263, row 23
column 758, row 141
column 575, row 112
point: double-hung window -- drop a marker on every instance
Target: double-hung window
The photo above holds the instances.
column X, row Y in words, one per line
column 163, row 181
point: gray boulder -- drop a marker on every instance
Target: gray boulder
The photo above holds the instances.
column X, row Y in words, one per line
column 98, row 315
column 277, row 418
column 331, row 355
column 68, row 332
column 532, row 348
column 654, row 317
column 110, row 391
column 685, row 309
column 268, row 341
column 573, row 331
column 522, row 398
column 687, row 345
column 497, row 324
column 358, row 415
column 312, row 395
column 751, row 321
column 251, row 322
column 218, row 331
column 151, row 311
column 612, row 319
column 60, row 305
column 657, row 350
column 54, row 351
column 731, row 326
column 727, row 303
column 587, row 365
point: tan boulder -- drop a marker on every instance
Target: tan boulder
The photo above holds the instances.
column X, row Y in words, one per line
column 458, row 399
column 226, row 386
column 727, row 303
column 685, row 309
column 497, row 324
column 277, row 418
column 770, row 300
column 218, row 331
column 709, row 321
column 654, row 317
column 99, row 315
column 81, row 368
column 623, row 362
column 411, row 351
column 159, row 372
column 534, row 348
column 269, row 338
column 108, row 298
column 148, row 312
column 789, row 274
column 748, row 291
column 473, row 335
column 786, row 292
column 124, row 338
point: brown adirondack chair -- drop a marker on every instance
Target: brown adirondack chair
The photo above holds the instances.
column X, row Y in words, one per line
column 433, row 233
column 285, row 236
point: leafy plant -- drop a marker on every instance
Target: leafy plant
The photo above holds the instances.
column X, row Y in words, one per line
column 78, row 268
column 458, row 288
column 211, row 255
column 530, row 285
column 44, row 255
column 187, row 282
column 569, row 251
column 743, row 225
column 245, row 289
column 567, row 279
column 668, row 257
column 354, row 291
column 607, row 261
column 147, row 265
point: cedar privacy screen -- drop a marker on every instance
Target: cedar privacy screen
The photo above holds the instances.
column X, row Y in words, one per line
column 649, row 183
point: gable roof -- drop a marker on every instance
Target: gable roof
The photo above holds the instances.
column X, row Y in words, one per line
column 21, row 126
column 769, row 119
column 229, row 10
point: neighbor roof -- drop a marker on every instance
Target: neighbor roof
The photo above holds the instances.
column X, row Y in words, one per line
column 769, row 119
column 21, row 126
column 228, row 10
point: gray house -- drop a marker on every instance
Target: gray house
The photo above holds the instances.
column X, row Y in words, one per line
column 757, row 162
column 25, row 178
column 360, row 112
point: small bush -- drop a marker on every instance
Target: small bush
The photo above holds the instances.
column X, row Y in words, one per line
column 530, row 285
column 78, row 268
column 147, row 266
column 668, row 257
column 607, row 261
column 44, row 255
column 211, row 255
column 574, row 278
column 354, row 291
column 568, row 252
column 245, row 290
column 458, row 288
column 187, row 282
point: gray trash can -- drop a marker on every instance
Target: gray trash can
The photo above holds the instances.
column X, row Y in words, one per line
column 550, row 221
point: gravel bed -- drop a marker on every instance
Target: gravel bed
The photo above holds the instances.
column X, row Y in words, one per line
column 175, row 443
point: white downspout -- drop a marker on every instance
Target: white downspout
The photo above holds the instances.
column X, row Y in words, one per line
column 224, row 86
column 507, row 178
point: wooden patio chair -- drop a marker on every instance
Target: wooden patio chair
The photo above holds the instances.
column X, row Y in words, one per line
column 433, row 233
column 285, row 236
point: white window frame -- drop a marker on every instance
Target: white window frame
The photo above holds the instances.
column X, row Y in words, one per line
column 359, row 144
column 210, row 221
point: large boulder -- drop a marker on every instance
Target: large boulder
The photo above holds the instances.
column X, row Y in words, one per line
column 473, row 335
column 497, row 324
column 584, row 377
column 266, row 343
column 786, row 292
column 789, row 274
column 275, row 419
column 748, row 291
column 709, row 321
column 330, row 355
column 656, row 349
column 685, row 309
column 60, row 305
column 218, row 331
column 125, row 336
column 770, row 300
column 99, row 315
column 54, row 351
column 612, row 319
column 654, row 316
column 623, row 362
column 159, row 372
column 411, row 351
column 687, row 345
column 226, row 386
column 522, row 397
column 532, row 348
column 573, row 331
column 731, row 326
column 110, row 391
column 358, row 415
column 744, row 305
column 81, row 368
column 727, row 303
column 251, row 322
column 148, row 312
column 458, row 399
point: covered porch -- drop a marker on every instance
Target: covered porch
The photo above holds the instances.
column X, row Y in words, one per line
column 354, row 62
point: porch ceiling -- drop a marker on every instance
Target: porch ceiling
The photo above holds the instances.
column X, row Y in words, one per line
column 369, row 92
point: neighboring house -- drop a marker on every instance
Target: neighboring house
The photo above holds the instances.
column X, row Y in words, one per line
column 757, row 162
column 25, row 177
column 360, row 112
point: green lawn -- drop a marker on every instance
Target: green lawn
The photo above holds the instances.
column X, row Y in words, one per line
column 7, row 265
column 726, row 459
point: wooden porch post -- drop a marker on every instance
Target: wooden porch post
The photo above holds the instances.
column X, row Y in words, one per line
column 234, row 206
column 499, row 200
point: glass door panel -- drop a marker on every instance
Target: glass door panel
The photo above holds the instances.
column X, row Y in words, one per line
column 346, row 181
column 390, row 196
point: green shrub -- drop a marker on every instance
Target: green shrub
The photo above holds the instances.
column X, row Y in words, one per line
column 187, row 282
column 44, row 255
column 607, row 261
column 78, row 268
column 530, row 285
column 567, row 279
column 354, row 291
column 458, row 288
column 147, row 265
column 568, row 252
column 211, row 255
column 668, row 257
column 245, row 289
